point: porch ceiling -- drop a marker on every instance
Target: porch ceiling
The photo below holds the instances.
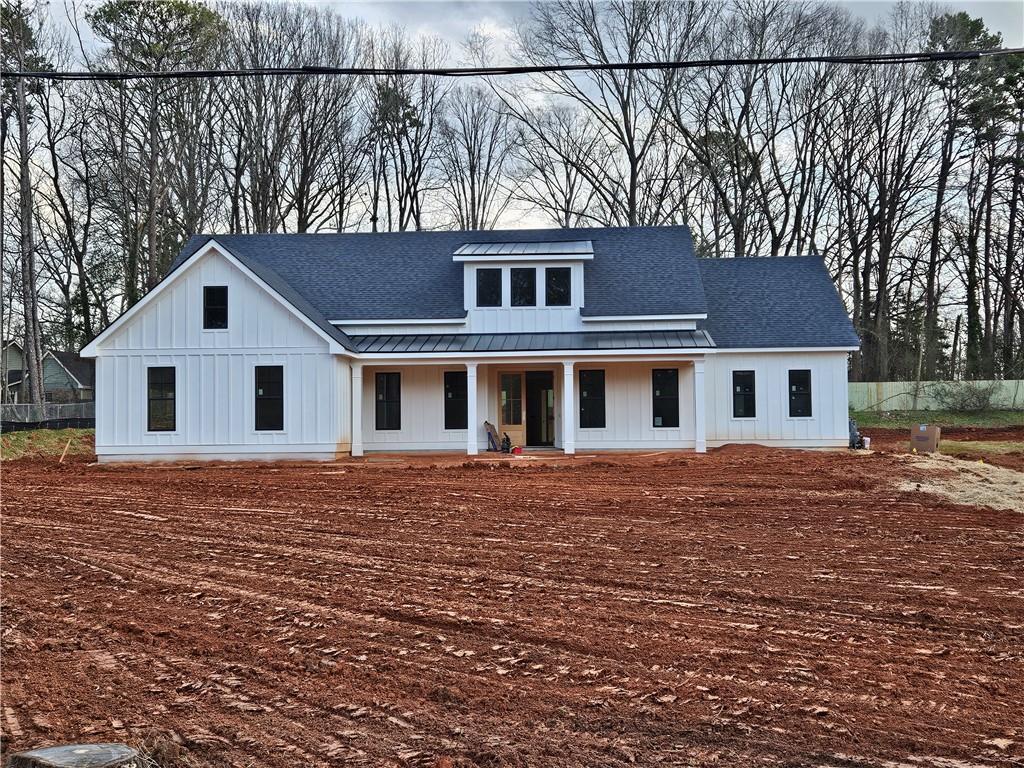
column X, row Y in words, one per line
column 533, row 342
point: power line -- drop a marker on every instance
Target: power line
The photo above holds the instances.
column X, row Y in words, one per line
column 310, row 70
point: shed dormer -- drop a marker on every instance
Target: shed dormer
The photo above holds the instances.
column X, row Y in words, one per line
column 528, row 286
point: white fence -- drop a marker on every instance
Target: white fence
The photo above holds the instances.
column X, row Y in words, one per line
column 929, row 395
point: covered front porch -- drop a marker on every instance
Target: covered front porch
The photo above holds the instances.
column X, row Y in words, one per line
column 590, row 402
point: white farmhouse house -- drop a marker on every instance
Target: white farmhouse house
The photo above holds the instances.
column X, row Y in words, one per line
column 317, row 345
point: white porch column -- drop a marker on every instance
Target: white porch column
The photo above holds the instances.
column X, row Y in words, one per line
column 357, row 409
column 699, row 408
column 568, row 409
column 472, row 427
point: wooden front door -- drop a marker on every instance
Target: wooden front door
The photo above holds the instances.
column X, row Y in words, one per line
column 510, row 407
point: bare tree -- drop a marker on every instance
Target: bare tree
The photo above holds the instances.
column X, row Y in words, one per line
column 627, row 106
column 403, row 116
column 475, row 157
column 20, row 37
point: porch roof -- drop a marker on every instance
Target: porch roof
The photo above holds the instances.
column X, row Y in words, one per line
column 533, row 342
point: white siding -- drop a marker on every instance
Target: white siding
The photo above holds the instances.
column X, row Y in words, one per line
column 629, row 410
column 215, row 386
column 422, row 422
column 827, row 425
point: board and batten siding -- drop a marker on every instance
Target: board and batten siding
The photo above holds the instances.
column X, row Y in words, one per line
column 215, row 376
column 422, row 411
column 629, row 409
column 826, row 427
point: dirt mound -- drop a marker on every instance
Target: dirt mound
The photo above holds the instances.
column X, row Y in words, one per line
column 967, row 482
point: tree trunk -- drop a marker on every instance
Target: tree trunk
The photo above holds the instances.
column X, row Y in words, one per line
column 33, row 346
column 153, row 272
column 931, row 300
column 1010, row 297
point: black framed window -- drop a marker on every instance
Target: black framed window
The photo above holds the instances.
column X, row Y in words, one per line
column 524, row 287
column 511, row 398
column 215, row 307
column 269, row 398
column 592, row 399
column 160, row 393
column 799, row 393
column 557, row 286
column 389, row 400
column 665, row 396
column 488, row 287
column 743, row 406
column 456, row 406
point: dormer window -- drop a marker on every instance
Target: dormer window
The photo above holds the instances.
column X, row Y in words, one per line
column 524, row 287
column 215, row 307
column 558, row 287
column 488, row 287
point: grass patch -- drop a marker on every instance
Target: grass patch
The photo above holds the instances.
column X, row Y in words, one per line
column 40, row 443
column 906, row 419
column 982, row 447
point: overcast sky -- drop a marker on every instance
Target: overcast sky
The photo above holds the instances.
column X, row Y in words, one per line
column 454, row 20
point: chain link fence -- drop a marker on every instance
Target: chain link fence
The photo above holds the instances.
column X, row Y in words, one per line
column 15, row 417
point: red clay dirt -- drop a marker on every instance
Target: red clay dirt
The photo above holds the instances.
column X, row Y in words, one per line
column 748, row 607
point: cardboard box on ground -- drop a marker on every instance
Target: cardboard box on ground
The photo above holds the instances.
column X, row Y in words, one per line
column 924, row 438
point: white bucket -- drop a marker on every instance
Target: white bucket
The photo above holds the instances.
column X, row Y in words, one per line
column 867, row 443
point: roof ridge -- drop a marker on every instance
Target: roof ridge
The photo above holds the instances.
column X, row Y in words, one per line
column 737, row 259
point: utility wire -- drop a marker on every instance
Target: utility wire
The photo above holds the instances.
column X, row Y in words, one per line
column 310, row 70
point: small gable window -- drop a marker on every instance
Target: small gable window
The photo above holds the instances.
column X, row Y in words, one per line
column 665, row 396
column 524, row 287
column 743, row 395
column 215, row 307
column 799, row 394
column 389, row 401
column 160, row 384
column 269, row 398
column 558, row 286
column 488, row 287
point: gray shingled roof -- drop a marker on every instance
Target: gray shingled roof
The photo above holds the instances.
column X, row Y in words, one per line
column 81, row 368
column 394, row 275
column 750, row 302
column 533, row 342
column 787, row 301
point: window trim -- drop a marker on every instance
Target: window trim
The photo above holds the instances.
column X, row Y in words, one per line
column 551, row 269
column 227, row 309
column 376, row 426
column 732, row 383
column 150, row 431
column 810, row 395
column 444, row 398
column 679, row 416
column 603, row 398
column 284, row 397
column 501, row 287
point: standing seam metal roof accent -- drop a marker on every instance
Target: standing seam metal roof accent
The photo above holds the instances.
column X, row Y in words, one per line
column 414, row 344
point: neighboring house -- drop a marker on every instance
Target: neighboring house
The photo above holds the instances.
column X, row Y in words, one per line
column 67, row 377
column 582, row 339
